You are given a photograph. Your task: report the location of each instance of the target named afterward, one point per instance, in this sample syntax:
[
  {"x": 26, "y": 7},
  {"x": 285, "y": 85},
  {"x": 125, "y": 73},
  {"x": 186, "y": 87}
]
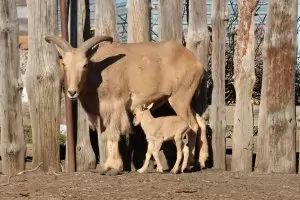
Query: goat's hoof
[
  {"x": 186, "y": 170},
  {"x": 174, "y": 171},
  {"x": 140, "y": 171},
  {"x": 113, "y": 172},
  {"x": 100, "y": 171}
]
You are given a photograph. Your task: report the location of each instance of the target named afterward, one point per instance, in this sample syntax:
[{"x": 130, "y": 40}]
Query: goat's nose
[{"x": 71, "y": 93}]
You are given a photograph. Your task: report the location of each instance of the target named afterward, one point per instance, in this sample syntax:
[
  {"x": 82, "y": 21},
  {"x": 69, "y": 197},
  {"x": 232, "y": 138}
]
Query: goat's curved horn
[
  {"x": 85, "y": 46},
  {"x": 60, "y": 42}
]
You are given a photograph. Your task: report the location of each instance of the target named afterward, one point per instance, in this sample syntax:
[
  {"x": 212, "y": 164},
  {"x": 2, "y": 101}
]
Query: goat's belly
[{"x": 146, "y": 99}]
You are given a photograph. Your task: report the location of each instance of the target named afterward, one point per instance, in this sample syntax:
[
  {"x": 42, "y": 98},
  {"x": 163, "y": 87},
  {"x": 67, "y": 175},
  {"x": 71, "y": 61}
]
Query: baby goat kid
[{"x": 162, "y": 129}]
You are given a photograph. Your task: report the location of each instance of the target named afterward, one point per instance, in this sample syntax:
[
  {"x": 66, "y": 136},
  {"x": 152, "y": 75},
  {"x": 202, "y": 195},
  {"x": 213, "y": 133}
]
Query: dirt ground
[{"x": 205, "y": 184}]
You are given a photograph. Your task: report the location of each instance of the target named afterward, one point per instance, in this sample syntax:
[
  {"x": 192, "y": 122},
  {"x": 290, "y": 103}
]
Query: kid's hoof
[
  {"x": 174, "y": 171},
  {"x": 113, "y": 172},
  {"x": 140, "y": 171}
]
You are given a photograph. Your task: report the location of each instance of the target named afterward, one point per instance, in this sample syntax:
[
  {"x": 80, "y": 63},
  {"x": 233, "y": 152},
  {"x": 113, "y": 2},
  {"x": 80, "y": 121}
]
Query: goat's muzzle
[{"x": 72, "y": 94}]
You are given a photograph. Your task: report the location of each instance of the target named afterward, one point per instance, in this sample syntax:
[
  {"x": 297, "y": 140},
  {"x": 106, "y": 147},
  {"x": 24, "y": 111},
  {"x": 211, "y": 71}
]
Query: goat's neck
[
  {"x": 147, "y": 119},
  {"x": 88, "y": 95}
]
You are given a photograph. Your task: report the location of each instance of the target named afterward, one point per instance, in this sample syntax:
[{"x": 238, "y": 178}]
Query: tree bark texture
[
  {"x": 43, "y": 84},
  {"x": 198, "y": 41},
  {"x": 218, "y": 109},
  {"x": 106, "y": 24},
  {"x": 12, "y": 139},
  {"x": 106, "y": 18},
  {"x": 277, "y": 126},
  {"x": 85, "y": 156},
  {"x": 170, "y": 28},
  {"x": 138, "y": 16},
  {"x": 170, "y": 20},
  {"x": 244, "y": 79}
]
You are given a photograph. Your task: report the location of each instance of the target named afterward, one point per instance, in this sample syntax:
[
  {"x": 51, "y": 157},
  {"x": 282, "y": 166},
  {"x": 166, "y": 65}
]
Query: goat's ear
[
  {"x": 150, "y": 106},
  {"x": 144, "y": 107}
]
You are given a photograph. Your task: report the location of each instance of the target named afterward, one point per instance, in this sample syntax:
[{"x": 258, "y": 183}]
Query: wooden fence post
[
  {"x": 138, "y": 15},
  {"x": 12, "y": 139},
  {"x": 85, "y": 156},
  {"x": 170, "y": 20},
  {"x": 277, "y": 125},
  {"x": 218, "y": 109},
  {"x": 105, "y": 24},
  {"x": 244, "y": 79},
  {"x": 170, "y": 28},
  {"x": 197, "y": 41},
  {"x": 139, "y": 18},
  {"x": 43, "y": 84}
]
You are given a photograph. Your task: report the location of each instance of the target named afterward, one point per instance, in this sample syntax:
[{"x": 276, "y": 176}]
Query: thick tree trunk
[
  {"x": 106, "y": 18},
  {"x": 85, "y": 156},
  {"x": 12, "y": 136},
  {"x": 277, "y": 126},
  {"x": 198, "y": 41},
  {"x": 138, "y": 15},
  {"x": 218, "y": 119},
  {"x": 170, "y": 21},
  {"x": 43, "y": 84},
  {"x": 106, "y": 24},
  {"x": 244, "y": 79}
]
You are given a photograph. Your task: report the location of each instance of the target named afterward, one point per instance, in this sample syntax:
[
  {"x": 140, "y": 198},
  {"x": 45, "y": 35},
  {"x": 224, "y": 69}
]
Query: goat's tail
[{"x": 203, "y": 154}]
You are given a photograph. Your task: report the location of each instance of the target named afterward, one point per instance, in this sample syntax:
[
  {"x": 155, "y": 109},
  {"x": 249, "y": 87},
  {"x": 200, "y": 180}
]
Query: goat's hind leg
[
  {"x": 186, "y": 151},
  {"x": 203, "y": 141},
  {"x": 183, "y": 110},
  {"x": 178, "y": 143}
]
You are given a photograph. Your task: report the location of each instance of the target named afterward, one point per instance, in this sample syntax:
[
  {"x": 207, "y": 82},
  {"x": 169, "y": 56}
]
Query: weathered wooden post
[
  {"x": 197, "y": 41},
  {"x": 244, "y": 79},
  {"x": 12, "y": 139},
  {"x": 218, "y": 107},
  {"x": 170, "y": 28},
  {"x": 170, "y": 20},
  {"x": 43, "y": 84},
  {"x": 277, "y": 127},
  {"x": 105, "y": 24},
  {"x": 138, "y": 16},
  {"x": 85, "y": 156}
]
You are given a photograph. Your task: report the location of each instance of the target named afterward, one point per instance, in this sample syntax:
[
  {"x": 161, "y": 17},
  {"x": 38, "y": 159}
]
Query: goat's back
[{"x": 148, "y": 71}]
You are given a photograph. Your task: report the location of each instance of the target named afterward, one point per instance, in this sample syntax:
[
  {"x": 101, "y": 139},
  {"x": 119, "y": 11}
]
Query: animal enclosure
[{"x": 235, "y": 100}]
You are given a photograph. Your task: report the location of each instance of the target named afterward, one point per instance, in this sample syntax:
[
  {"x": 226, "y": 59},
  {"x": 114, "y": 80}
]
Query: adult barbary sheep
[
  {"x": 117, "y": 78},
  {"x": 162, "y": 129}
]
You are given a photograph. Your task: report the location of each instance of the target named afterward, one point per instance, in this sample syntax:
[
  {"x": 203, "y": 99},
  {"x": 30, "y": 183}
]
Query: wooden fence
[{"x": 229, "y": 122}]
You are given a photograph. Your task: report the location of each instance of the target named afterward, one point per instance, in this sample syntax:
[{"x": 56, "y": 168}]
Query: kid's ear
[{"x": 150, "y": 106}]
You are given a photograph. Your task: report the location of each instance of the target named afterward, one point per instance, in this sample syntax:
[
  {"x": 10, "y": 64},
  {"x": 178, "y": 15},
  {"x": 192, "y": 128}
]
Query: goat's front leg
[
  {"x": 113, "y": 164},
  {"x": 148, "y": 156},
  {"x": 156, "y": 147}
]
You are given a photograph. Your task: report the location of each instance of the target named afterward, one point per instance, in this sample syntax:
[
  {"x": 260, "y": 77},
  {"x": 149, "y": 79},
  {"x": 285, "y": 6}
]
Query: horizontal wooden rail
[{"x": 229, "y": 121}]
